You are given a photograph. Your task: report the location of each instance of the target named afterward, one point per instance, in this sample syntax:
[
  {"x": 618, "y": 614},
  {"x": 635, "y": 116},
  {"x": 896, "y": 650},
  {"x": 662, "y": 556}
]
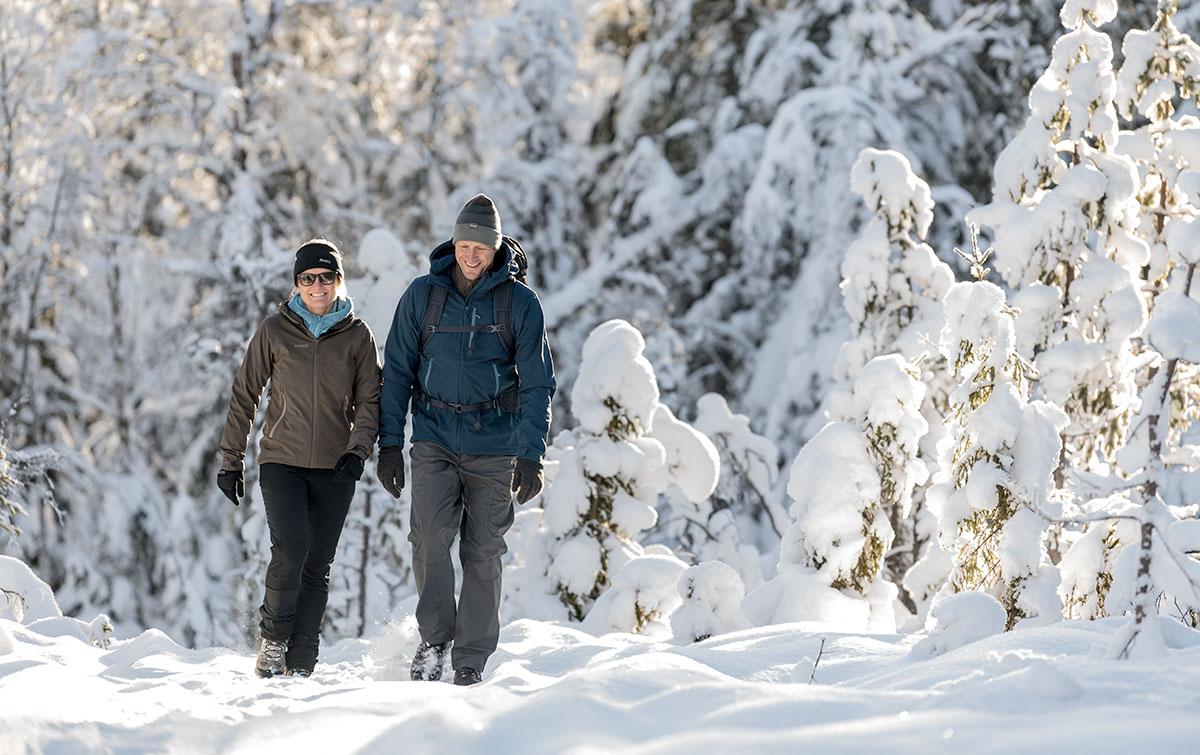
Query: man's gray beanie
[{"x": 478, "y": 221}]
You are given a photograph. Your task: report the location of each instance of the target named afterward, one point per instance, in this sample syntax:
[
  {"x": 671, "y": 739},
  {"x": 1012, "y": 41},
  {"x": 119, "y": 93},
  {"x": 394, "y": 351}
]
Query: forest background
[{"x": 684, "y": 165}]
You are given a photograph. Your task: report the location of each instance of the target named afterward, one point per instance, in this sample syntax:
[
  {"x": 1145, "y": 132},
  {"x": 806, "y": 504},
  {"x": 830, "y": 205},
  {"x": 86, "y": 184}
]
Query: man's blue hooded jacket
[{"x": 468, "y": 368}]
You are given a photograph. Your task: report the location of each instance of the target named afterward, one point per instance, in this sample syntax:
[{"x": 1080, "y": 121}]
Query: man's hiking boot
[
  {"x": 302, "y": 672},
  {"x": 466, "y": 676},
  {"x": 427, "y": 661},
  {"x": 270, "y": 659}
]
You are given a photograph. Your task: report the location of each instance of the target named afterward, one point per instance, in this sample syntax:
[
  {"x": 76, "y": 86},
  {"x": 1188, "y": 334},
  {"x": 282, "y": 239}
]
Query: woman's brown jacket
[{"x": 324, "y": 395}]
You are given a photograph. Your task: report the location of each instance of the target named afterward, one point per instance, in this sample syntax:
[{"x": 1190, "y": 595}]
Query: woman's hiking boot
[{"x": 270, "y": 659}]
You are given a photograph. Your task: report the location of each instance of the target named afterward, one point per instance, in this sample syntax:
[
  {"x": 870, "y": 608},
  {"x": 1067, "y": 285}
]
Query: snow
[
  {"x": 956, "y": 620},
  {"x": 712, "y": 594},
  {"x": 693, "y": 462},
  {"x": 613, "y": 367},
  {"x": 1098, "y": 12},
  {"x": 1174, "y": 329},
  {"x": 711, "y": 176},
  {"x": 27, "y": 598},
  {"x": 553, "y": 688}
]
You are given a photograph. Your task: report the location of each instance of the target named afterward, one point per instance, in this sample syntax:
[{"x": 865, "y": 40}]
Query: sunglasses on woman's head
[{"x": 307, "y": 279}]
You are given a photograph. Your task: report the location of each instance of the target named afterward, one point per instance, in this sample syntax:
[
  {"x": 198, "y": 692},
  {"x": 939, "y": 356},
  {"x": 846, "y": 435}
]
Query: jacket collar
[{"x": 338, "y": 318}]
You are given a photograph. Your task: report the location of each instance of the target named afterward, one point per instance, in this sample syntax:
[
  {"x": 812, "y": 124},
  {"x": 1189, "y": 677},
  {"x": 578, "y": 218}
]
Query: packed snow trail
[{"x": 553, "y": 689}]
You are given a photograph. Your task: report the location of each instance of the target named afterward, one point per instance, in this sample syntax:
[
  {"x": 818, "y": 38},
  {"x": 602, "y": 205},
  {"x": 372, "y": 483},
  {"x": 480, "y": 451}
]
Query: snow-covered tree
[
  {"x": 643, "y": 592},
  {"x": 692, "y": 519},
  {"x": 1172, "y": 334},
  {"x": 1089, "y": 564},
  {"x": 1066, "y": 217},
  {"x": 892, "y": 288},
  {"x": 10, "y": 509},
  {"x": 712, "y": 595},
  {"x": 848, "y": 481},
  {"x": 607, "y": 475},
  {"x": 892, "y": 282},
  {"x": 995, "y": 476},
  {"x": 741, "y": 519}
]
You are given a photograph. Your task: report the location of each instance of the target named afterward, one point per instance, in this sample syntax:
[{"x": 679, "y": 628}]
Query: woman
[{"x": 322, "y": 419}]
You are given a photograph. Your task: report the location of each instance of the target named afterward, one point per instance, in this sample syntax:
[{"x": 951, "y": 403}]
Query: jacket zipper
[
  {"x": 471, "y": 337},
  {"x": 312, "y": 452},
  {"x": 458, "y": 419}
]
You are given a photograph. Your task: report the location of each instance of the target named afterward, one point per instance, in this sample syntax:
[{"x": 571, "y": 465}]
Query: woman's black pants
[{"x": 306, "y": 509}]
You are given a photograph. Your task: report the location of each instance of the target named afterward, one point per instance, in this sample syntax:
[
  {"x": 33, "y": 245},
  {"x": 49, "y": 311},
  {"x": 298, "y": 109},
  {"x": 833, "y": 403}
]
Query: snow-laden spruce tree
[
  {"x": 994, "y": 481},
  {"x": 738, "y": 520},
  {"x": 712, "y": 594},
  {"x": 10, "y": 509},
  {"x": 1089, "y": 564},
  {"x": 602, "y": 488},
  {"x": 1173, "y": 334},
  {"x": 892, "y": 287},
  {"x": 1065, "y": 215},
  {"x": 845, "y": 483},
  {"x": 892, "y": 281}
]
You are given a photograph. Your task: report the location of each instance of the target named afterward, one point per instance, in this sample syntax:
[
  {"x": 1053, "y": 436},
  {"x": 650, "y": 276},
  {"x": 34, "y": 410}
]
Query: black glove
[
  {"x": 527, "y": 479},
  {"x": 390, "y": 469},
  {"x": 349, "y": 468},
  {"x": 232, "y": 484}
]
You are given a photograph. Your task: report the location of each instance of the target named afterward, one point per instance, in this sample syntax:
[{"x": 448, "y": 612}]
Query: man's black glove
[
  {"x": 349, "y": 468},
  {"x": 527, "y": 479},
  {"x": 390, "y": 469},
  {"x": 232, "y": 484}
]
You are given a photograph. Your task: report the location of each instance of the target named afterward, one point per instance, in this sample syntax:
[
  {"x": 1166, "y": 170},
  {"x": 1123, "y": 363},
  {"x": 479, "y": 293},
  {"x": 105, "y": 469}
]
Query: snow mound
[{"x": 958, "y": 620}]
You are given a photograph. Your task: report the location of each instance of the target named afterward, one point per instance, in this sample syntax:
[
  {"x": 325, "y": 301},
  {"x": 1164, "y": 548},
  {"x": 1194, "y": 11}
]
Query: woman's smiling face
[{"x": 318, "y": 296}]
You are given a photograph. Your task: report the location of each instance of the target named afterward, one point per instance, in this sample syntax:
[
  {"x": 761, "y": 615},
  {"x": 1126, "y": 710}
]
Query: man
[{"x": 468, "y": 349}]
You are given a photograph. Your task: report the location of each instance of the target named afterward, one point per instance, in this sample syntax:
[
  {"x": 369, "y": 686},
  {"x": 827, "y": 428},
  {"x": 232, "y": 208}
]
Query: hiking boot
[
  {"x": 270, "y": 659},
  {"x": 427, "y": 661},
  {"x": 302, "y": 672},
  {"x": 466, "y": 676}
]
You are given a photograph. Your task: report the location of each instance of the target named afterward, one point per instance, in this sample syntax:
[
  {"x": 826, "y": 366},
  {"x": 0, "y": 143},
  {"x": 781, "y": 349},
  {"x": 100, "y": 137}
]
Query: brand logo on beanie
[{"x": 326, "y": 261}]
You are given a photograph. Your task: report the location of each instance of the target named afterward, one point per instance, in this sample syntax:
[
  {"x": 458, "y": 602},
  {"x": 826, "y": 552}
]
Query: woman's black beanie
[{"x": 318, "y": 253}]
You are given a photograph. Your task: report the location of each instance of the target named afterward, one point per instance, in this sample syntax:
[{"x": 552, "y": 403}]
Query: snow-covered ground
[{"x": 552, "y": 688}]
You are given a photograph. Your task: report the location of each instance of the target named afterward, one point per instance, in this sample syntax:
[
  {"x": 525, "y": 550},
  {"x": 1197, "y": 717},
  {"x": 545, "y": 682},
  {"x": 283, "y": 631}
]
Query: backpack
[{"x": 501, "y": 302}]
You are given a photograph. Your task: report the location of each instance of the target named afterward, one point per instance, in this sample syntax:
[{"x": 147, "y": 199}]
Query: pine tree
[
  {"x": 1065, "y": 215},
  {"x": 741, "y": 519},
  {"x": 994, "y": 476},
  {"x": 848, "y": 480},
  {"x": 606, "y": 477},
  {"x": 10, "y": 509},
  {"x": 892, "y": 288}
]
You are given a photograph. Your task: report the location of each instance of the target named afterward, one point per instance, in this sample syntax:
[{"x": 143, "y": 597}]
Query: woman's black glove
[
  {"x": 349, "y": 468},
  {"x": 232, "y": 484},
  {"x": 390, "y": 469},
  {"x": 527, "y": 479}
]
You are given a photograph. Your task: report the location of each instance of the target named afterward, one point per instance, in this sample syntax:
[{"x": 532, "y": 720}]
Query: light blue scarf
[{"x": 318, "y": 324}]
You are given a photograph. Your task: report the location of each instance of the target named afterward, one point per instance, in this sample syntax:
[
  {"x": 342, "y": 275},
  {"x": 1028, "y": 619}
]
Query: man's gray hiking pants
[{"x": 470, "y": 495}]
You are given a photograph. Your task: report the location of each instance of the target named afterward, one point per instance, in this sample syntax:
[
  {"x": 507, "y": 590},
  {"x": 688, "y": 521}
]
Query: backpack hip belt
[{"x": 508, "y": 401}]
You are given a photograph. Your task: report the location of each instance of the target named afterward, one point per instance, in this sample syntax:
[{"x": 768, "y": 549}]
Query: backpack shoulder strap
[
  {"x": 433, "y": 315},
  {"x": 502, "y": 313}
]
